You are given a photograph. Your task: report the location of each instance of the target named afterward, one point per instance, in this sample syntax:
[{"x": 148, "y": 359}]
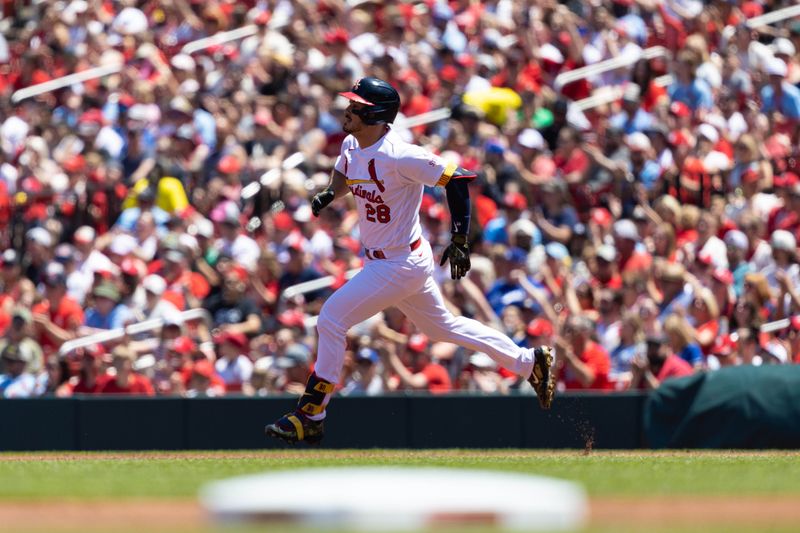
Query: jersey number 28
[{"x": 380, "y": 214}]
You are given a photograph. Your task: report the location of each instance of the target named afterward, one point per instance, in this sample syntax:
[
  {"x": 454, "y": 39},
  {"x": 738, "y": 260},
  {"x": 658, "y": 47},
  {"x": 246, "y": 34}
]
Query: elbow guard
[{"x": 455, "y": 172}]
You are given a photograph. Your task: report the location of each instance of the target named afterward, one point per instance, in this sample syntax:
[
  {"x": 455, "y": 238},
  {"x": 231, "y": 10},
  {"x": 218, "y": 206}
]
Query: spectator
[
  {"x": 535, "y": 164},
  {"x": 173, "y": 363},
  {"x": 295, "y": 365},
  {"x": 366, "y": 380},
  {"x": 540, "y": 332},
  {"x": 794, "y": 338},
  {"x": 759, "y": 296},
  {"x": 630, "y": 257},
  {"x": 514, "y": 324},
  {"x": 748, "y": 166},
  {"x": 16, "y": 289},
  {"x": 124, "y": 380},
  {"x": 264, "y": 290},
  {"x": 155, "y": 306},
  {"x": 19, "y": 333},
  {"x": 584, "y": 364},
  {"x": 419, "y": 371},
  {"x": 604, "y": 268},
  {"x": 780, "y": 95},
  {"x": 630, "y": 346},
  {"x": 737, "y": 246},
  {"x": 707, "y": 244},
  {"x": 233, "y": 363},
  {"x": 609, "y": 321},
  {"x": 784, "y": 259},
  {"x": 633, "y": 117},
  {"x": 705, "y": 316},
  {"x": 297, "y": 269},
  {"x": 722, "y": 353},
  {"x": 659, "y": 365},
  {"x": 555, "y": 218},
  {"x": 92, "y": 371},
  {"x": 57, "y": 317},
  {"x": 664, "y": 243},
  {"x": 682, "y": 340},
  {"x": 670, "y": 280},
  {"x": 481, "y": 375},
  {"x": 687, "y": 88},
  {"x": 643, "y": 168},
  {"x": 39, "y": 244},
  {"x": 233, "y": 242},
  {"x": 107, "y": 312},
  {"x": 144, "y": 205},
  {"x": 53, "y": 381},
  {"x": 230, "y": 309},
  {"x": 202, "y": 380},
  {"x": 185, "y": 288},
  {"x": 16, "y": 381},
  {"x": 263, "y": 381}
]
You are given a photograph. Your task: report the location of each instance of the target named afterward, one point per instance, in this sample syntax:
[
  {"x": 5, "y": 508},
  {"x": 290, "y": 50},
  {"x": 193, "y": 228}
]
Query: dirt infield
[
  {"x": 99, "y": 515},
  {"x": 606, "y": 512},
  {"x": 695, "y": 511}
]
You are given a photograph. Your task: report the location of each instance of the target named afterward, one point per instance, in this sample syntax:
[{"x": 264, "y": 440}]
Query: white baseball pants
[{"x": 404, "y": 279}]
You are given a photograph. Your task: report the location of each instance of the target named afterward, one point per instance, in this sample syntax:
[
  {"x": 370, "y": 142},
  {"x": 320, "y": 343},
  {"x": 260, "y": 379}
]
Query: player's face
[{"x": 352, "y": 122}]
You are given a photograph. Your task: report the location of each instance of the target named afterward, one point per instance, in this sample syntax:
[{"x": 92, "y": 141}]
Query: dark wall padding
[
  {"x": 734, "y": 407},
  {"x": 399, "y": 421}
]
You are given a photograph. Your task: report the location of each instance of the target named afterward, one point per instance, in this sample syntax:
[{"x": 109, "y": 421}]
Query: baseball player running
[{"x": 387, "y": 175}]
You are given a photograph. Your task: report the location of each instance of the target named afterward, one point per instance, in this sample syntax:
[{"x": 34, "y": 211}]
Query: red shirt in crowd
[
  {"x": 674, "y": 367},
  {"x": 614, "y": 282},
  {"x": 637, "y": 262},
  {"x": 216, "y": 381},
  {"x": 68, "y": 315},
  {"x": 597, "y": 359},
  {"x": 193, "y": 282},
  {"x": 137, "y": 384},
  {"x": 654, "y": 94},
  {"x": 438, "y": 378},
  {"x": 712, "y": 326},
  {"x": 82, "y": 387},
  {"x": 576, "y": 161}
]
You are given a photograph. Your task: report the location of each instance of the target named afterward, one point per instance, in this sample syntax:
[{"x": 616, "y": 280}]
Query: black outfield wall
[{"x": 453, "y": 421}]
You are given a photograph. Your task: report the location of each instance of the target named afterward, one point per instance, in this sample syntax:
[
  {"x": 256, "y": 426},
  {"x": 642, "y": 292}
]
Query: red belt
[{"x": 378, "y": 254}]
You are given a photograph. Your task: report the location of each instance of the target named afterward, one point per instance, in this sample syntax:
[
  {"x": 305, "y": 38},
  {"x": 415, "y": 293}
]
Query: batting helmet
[{"x": 380, "y": 99}]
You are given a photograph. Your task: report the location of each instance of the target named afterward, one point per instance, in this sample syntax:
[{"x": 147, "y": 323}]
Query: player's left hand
[
  {"x": 458, "y": 253},
  {"x": 321, "y": 199}
]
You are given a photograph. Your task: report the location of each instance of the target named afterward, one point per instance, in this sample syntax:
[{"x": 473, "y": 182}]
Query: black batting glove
[
  {"x": 458, "y": 253},
  {"x": 320, "y": 200}
]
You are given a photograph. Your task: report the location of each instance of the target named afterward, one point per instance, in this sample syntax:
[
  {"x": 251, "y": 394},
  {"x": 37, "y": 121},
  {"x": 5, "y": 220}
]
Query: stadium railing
[
  {"x": 220, "y": 38},
  {"x": 608, "y": 65},
  {"x": 774, "y": 16},
  {"x": 132, "y": 329},
  {"x": 65, "y": 81}
]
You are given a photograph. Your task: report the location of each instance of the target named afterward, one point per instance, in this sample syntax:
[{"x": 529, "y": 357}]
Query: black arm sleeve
[{"x": 459, "y": 204}]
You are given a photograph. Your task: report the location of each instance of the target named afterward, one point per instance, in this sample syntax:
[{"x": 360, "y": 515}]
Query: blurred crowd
[{"x": 646, "y": 236}]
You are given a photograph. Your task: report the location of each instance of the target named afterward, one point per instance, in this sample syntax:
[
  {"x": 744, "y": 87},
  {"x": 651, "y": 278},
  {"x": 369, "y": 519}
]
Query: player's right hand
[
  {"x": 458, "y": 254},
  {"x": 321, "y": 199}
]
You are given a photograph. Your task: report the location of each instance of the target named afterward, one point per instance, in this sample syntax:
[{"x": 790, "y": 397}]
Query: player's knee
[{"x": 329, "y": 324}]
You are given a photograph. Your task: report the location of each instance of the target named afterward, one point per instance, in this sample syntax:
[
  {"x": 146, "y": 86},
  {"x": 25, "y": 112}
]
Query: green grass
[{"x": 179, "y": 476}]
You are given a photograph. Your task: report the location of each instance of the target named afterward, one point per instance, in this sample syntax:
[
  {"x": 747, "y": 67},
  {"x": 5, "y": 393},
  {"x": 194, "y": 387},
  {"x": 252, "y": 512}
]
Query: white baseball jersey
[{"x": 387, "y": 180}]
